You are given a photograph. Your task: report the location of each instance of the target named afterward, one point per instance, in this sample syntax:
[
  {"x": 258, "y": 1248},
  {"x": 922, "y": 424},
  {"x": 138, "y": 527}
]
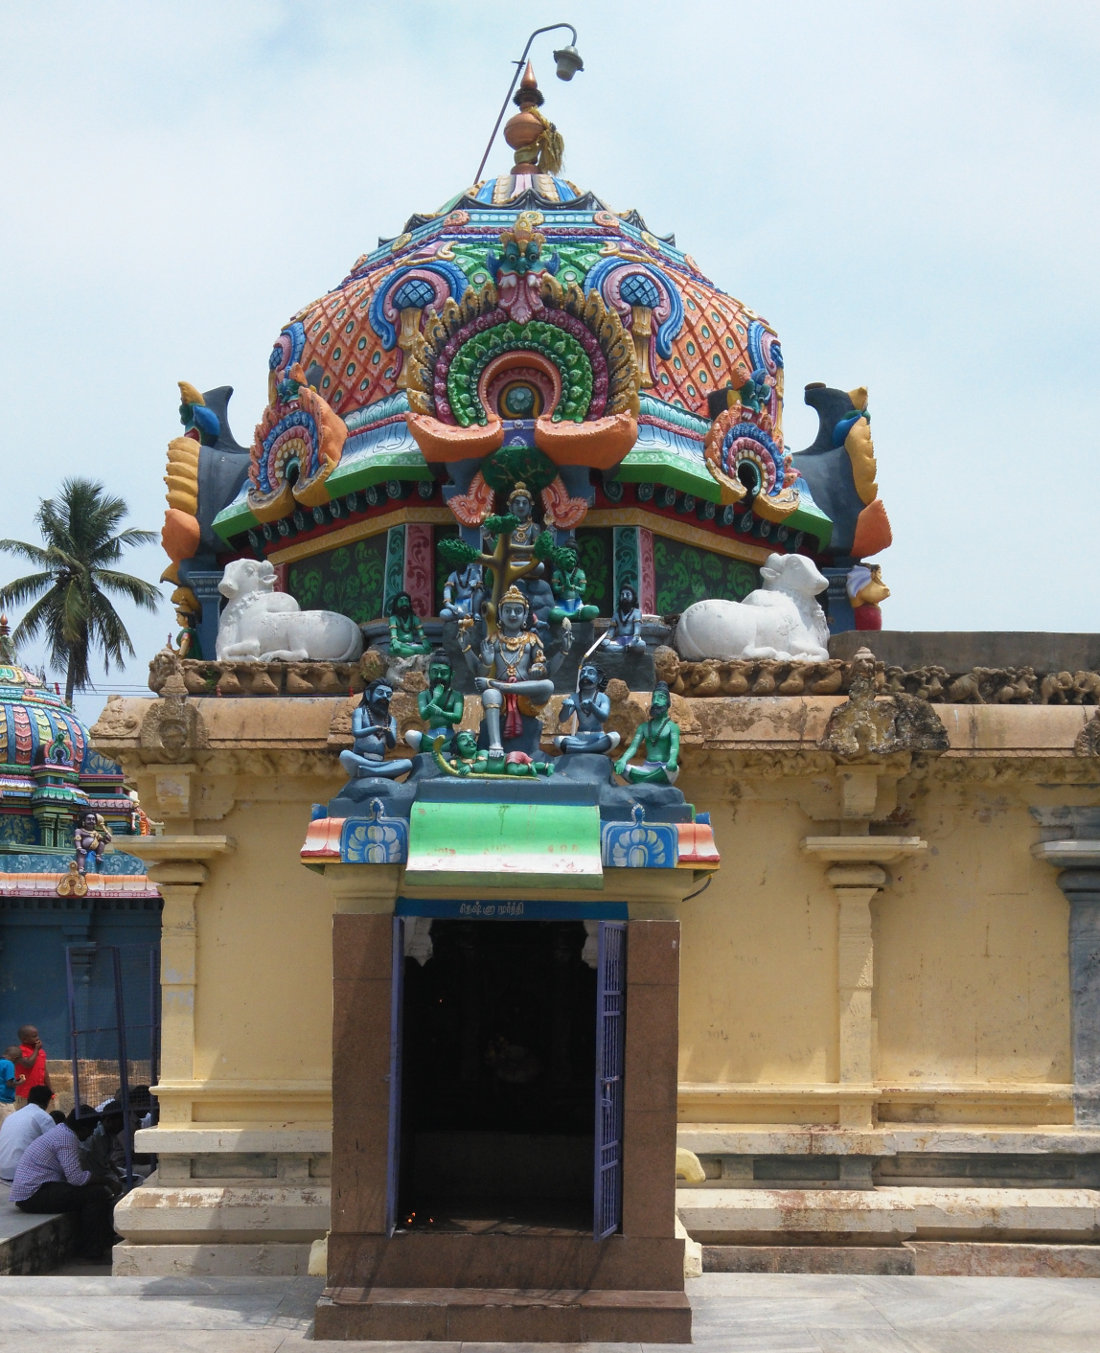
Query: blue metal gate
[
  {"x": 610, "y": 1031},
  {"x": 114, "y": 1026}
]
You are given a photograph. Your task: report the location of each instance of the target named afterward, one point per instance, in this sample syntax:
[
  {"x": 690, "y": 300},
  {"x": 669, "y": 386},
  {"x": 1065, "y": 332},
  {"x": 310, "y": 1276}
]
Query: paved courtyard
[{"x": 734, "y": 1313}]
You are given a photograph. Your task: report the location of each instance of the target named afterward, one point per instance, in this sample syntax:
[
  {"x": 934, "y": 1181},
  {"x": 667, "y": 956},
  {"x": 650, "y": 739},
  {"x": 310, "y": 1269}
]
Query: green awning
[{"x": 525, "y": 845}]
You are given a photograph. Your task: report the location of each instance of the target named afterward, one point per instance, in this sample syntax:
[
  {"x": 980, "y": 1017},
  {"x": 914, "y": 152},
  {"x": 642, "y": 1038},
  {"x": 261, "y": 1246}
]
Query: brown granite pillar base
[
  {"x": 525, "y": 1287},
  {"x": 505, "y": 1315}
]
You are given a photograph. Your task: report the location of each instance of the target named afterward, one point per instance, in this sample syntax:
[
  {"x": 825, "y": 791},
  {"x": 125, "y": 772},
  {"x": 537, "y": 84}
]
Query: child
[
  {"x": 31, "y": 1064},
  {"x": 9, "y": 1079}
]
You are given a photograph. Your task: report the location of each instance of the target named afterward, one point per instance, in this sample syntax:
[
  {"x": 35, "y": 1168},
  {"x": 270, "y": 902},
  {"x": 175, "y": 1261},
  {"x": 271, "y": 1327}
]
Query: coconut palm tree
[{"x": 71, "y": 606}]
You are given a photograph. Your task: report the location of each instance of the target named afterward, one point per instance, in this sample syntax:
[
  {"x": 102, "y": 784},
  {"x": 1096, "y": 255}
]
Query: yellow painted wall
[
  {"x": 264, "y": 1005},
  {"x": 758, "y": 965},
  {"x": 970, "y": 1006},
  {"x": 971, "y": 974}
]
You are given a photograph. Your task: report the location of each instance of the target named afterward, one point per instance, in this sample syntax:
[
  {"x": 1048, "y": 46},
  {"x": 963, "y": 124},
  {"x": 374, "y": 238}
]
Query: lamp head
[{"x": 569, "y": 62}]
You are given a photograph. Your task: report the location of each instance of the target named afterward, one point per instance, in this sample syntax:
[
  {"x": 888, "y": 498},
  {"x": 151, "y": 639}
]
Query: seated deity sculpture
[
  {"x": 625, "y": 630},
  {"x": 590, "y": 707},
  {"x": 406, "y": 632},
  {"x": 510, "y": 669},
  {"x": 463, "y": 592},
  {"x": 661, "y": 739},
  {"x": 91, "y": 837},
  {"x": 521, "y": 542},
  {"x": 569, "y": 583},
  {"x": 373, "y": 732},
  {"x": 439, "y": 705}
]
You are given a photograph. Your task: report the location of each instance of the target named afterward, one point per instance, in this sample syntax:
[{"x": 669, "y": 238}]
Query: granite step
[
  {"x": 942, "y": 1258},
  {"x": 852, "y": 1259},
  {"x": 33, "y": 1243},
  {"x": 511, "y": 1315}
]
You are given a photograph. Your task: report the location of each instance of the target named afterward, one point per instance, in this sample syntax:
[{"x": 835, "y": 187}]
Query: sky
[{"x": 908, "y": 192}]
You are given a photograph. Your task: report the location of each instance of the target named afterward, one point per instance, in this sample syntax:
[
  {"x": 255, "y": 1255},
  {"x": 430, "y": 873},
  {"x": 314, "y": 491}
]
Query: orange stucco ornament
[
  {"x": 441, "y": 442},
  {"x": 600, "y": 444}
]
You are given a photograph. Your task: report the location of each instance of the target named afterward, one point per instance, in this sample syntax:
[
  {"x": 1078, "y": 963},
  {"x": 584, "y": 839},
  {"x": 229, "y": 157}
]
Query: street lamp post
[{"x": 568, "y": 63}]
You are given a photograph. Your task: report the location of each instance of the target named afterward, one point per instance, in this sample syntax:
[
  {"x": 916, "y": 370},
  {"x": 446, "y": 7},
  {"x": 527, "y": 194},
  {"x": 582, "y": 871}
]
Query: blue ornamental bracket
[
  {"x": 639, "y": 844},
  {"x": 374, "y": 839}
]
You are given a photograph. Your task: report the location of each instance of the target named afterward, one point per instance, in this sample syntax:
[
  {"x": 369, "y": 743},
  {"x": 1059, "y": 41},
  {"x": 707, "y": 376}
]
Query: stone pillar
[
  {"x": 175, "y": 865},
  {"x": 855, "y": 875},
  {"x": 1071, "y": 842},
  {"x": 1082, "y": 890},
  {"x": 179, "y": 885},
  {"x": 854, "y": 886}
]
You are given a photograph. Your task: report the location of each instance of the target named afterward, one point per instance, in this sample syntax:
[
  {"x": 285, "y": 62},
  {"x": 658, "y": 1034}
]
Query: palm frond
[
  {"x": 22, "y": 590},
  {"x": 22, "y": 549},
  {"x": 140, "y": 592}
]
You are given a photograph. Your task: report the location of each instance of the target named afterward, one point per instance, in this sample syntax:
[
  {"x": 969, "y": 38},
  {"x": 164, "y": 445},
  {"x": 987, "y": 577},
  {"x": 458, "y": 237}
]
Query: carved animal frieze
[{"x": 255, "y": 678}]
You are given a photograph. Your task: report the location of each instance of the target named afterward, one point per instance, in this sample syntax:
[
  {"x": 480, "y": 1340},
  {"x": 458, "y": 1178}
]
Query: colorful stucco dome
[
  {"x": 351, "y": 372},
  {"x": 523, "y": 333},
  {"x": 36, "y": 725},
  {"x": 691, "y": 338},
  {"x": 49, "y": 774}
]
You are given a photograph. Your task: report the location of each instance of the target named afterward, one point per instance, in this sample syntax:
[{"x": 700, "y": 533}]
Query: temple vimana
[{"x": 566, "y": 877}]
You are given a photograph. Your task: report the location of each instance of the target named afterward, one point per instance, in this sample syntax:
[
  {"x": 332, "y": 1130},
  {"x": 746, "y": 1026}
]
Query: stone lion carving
[
  {"x": 262, "y": 625},
  {"x": 780, "y": 620}
]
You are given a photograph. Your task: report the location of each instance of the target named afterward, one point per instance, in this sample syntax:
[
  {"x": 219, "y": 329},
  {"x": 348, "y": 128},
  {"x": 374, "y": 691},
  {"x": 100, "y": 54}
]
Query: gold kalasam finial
[
  {"x": 536, "y": 141},
  {"x": 528, "y": 91}
]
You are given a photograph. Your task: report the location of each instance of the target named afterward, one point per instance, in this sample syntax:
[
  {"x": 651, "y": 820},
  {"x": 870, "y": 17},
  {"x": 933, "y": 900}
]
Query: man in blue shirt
[{"x": 51, "y": 1178}]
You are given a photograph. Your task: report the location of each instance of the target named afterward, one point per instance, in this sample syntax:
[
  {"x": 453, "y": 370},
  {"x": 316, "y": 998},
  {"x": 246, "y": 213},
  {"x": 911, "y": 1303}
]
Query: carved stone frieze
[
  {"x": 255, "y": 678},
  {"x": 746, "y": 676},
  {"x": 172, "y": 730},
  {"x": 701, "y": 680},
  {"x": 997, "y": 770},
  {"x": 1087, "y": 742},
  {"x": 870, "y": 726},
  {"x": 932, "y": 683},
  {"x": 116, "y": 726}
]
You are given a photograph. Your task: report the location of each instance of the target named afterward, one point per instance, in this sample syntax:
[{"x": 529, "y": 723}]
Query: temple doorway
[{"x": 498, "y": 1100}]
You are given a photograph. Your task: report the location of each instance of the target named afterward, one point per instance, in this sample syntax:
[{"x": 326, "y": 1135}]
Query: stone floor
[{"x": 734, "y": 1312}]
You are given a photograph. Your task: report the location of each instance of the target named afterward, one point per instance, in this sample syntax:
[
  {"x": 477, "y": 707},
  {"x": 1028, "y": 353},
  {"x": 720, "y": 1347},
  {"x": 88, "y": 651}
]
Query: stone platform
[
  {"x": 734, "y": 1313},
  {"x": 32, "y": 1243}
]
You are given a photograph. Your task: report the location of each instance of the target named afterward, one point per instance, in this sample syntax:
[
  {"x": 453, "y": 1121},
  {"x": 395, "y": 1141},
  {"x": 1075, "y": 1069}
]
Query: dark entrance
[{"x": 498, "y": 1072}]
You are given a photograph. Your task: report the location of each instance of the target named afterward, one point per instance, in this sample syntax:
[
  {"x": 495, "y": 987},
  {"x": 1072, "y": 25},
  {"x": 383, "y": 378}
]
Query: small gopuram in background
[
  {"x": 66, "y": 879},
  {"x": 450, "y": 969}
]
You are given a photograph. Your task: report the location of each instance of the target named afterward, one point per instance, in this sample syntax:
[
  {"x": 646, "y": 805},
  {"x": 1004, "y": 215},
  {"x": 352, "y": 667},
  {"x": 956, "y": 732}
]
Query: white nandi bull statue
[
  {"x": 262, "y": 625},
  {"x": 779, "y": 620}
]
